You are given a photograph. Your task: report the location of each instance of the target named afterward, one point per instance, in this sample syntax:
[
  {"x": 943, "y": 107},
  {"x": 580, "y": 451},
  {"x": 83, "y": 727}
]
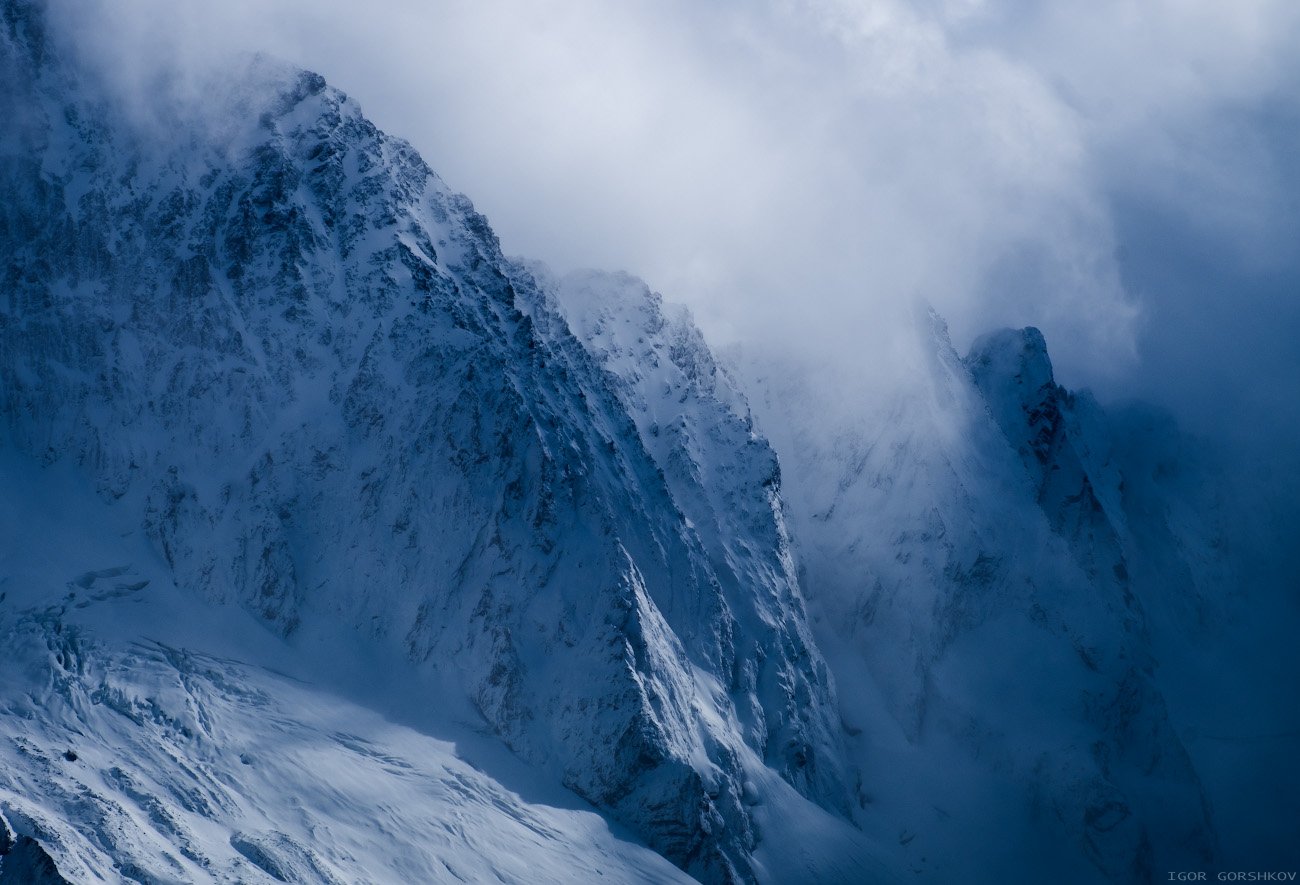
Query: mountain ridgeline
[
  {"x": 307, "y": 364},
  {"x": 294, "y": 368}
]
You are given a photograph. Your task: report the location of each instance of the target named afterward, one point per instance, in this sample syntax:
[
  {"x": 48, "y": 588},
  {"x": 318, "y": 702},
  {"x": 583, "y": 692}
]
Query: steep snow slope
[
  {"x": 133, "y": 745},
  {"x": 274, "y": 339},
  {"x": 726, "y": 482},
  {"x": 696, "y": 424},
  {"x": 966, "y": 551}
]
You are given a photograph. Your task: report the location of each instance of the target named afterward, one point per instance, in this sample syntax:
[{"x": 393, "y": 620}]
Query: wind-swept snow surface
[{"x": 134, "y": 745}]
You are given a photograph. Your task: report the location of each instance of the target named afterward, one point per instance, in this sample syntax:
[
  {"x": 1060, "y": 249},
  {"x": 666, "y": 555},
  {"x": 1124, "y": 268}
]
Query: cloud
[{"x": 800, "y": 170}]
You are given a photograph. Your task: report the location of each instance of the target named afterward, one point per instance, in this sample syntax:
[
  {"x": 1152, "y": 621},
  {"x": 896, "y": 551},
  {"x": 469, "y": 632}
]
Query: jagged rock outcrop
[
  {"x": 1063, "y": 442},
  {"x": 23, "y": 860}
]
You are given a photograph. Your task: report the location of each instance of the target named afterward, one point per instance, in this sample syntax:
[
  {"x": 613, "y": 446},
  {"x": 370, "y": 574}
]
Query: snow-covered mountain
[
  {"x": 336, "y": 546},
  {"x": 295, "y": 362}
]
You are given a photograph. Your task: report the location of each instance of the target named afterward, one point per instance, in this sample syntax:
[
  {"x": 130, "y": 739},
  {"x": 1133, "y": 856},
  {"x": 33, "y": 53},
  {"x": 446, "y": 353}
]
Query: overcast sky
[{"x": 1125, "y": 175}]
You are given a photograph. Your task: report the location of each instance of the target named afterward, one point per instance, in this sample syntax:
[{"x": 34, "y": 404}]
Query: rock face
[
  {"x": 1129, "y": 493},
  {"x": 303, "y": 360},
  {"x": 724, "y": 478},
  {"x": 967, "y": 549},
  {"x": 26, "y": 862},
  {"x": 23, "y": 861},
  {"x": 1063, "y": 443}
]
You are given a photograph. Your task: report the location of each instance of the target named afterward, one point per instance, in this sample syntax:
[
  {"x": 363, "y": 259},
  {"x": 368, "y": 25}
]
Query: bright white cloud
[{"x": 799, "y": 169}]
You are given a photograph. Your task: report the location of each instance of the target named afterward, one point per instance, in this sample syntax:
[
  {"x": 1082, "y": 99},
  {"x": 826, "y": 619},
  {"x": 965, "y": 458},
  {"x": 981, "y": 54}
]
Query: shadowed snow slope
[
  {"x": 132, "y": 745},
  {"x": 1020, "y": 596}
]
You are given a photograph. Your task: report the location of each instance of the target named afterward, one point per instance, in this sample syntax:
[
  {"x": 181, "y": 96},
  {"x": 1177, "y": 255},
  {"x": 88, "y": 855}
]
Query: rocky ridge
[{"x": 279, "y": 338}]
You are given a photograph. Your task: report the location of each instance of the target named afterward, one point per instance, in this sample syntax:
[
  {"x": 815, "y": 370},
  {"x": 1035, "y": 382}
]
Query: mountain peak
[
  {"x": 1013, "y": 371},
  {"x": 299, "y": 364},
  {"x": 1013, "y": 356}
]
